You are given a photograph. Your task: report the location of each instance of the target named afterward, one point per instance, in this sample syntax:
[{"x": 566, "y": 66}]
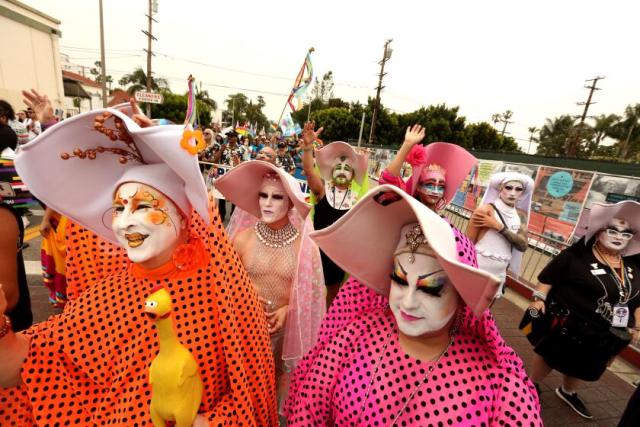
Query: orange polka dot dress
[
  {"x": 89, "y": 365},
  {"x": 86, "y": 248}
]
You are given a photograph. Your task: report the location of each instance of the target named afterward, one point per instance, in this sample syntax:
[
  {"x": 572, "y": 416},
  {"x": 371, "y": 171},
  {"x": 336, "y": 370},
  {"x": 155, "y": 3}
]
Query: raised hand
[
  {"x": 40, "y": 105},
  {"x": 309, "y": 134},
  {"x": 138, "y": 116},
  {"x": 414, "y": 135}
]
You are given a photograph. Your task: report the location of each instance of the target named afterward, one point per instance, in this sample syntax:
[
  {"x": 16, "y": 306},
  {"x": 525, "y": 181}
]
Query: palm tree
[
  {"x": 554, "y": 135},
  {"x": 203, "y": 96},
  {"x": 138, "y": 81},
  {"x": 532, "y": 131},
  {"x": 602, "y": 128},
  {"x": 627, "y": 130}
]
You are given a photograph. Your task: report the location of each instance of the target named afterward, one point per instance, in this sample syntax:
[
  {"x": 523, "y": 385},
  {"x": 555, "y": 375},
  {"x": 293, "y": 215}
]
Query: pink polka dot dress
[{"x": 479, "y": 381}]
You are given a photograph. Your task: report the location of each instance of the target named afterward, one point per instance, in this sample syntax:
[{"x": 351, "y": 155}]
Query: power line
[{"x": 220, "y": 67}]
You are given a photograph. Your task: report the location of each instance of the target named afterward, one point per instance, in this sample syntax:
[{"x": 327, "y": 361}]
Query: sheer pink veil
[{"x": 307, "y": 297}]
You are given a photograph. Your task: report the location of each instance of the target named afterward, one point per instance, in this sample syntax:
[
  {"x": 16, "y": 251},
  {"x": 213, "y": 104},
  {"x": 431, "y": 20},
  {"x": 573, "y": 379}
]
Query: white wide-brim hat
[
  {"x": 326, "y": 156},
  {"x": 602, "y": 213},
  {"x": 241, "y": 186},
  {"x": 75, "y": 169},
  {"x": 364, "y": 240}
]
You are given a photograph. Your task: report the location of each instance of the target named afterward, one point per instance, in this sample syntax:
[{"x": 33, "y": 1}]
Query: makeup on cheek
[{"x": 157, "y": 217}]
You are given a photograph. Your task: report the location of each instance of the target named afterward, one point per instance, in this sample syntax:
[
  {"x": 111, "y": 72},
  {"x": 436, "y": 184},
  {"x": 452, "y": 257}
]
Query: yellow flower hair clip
[{"x": 192, "y": 141}]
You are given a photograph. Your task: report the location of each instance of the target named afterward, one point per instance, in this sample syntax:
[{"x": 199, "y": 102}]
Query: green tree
[
  {"x": 254, "y": 114},
  {"x": 532, "y": 131},
  {"x": 323, "y": 90},
  {"x": 602, "y": 127},
  {"x": 627, "y": 132},
  {"x": 441, "y": 124},
  {"x": 174, "y": 108},
  {"x": 555, "y": 135},
  {"x": 203, "y": 95},
  {"x": 137, "y": 80},
  {"x": 236, "y": 106},
  {"x": 483, "y": 136},
  {"x": 339, "y": 124},
  {"x": 97, "y": 74}
]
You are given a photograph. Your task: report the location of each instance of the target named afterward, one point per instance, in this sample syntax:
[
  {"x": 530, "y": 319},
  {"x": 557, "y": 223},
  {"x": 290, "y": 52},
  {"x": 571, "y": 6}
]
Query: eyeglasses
[
  {"x": 624, "y": 235},
  {"x": 511, "y": 188}
]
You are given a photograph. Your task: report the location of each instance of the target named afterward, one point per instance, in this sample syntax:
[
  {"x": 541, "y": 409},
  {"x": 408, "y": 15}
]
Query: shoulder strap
[{"x": 499, "y": 215}]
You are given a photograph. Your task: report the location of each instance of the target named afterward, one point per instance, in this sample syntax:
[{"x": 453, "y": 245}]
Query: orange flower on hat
[{"x": 188, "y": 145}]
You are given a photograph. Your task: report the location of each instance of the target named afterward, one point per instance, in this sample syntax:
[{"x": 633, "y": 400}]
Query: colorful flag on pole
[
  {"x": 302, "y": 82},
  {"x": 288, "y": 126},
  {"x": 191, "y": 115}
]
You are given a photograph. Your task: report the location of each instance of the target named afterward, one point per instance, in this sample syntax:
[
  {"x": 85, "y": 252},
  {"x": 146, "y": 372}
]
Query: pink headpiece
[
  {"x": 433, "y": 171},
  {"x": 439, "y": 158}
]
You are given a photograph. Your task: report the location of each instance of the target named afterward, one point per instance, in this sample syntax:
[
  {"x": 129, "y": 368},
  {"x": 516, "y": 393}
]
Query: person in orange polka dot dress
[{"x": 89, "y": 365}]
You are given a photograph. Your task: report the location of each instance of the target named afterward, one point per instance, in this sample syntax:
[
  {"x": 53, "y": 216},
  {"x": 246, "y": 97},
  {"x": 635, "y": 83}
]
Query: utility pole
[
  {"x": 361, "y": 129},
  {"x": 572, "y": 149},
  {"x": 102, "y": 61},
  {"x": 153, "y": 7},
  {"x": 385, "y": 57}
]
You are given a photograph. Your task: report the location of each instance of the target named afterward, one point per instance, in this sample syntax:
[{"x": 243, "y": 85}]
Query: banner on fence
[{"x": 558, "y": 199}]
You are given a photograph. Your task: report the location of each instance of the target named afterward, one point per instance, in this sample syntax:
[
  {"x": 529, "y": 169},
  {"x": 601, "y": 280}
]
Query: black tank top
[
  {"x": 325, "y": 215},
  {"x": 21, "y": 316}
]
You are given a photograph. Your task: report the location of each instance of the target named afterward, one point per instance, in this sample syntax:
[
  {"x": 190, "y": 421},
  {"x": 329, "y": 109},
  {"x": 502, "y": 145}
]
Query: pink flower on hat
[{"x": 417, "y": 156}]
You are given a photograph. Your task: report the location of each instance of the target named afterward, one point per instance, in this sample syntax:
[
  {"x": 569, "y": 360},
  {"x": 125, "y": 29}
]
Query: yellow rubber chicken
[{"x": 175, "y": 381}]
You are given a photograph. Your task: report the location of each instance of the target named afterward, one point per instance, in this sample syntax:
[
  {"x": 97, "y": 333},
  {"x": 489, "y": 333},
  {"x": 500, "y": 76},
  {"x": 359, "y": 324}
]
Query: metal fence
[{"x": 541, "y": 249}]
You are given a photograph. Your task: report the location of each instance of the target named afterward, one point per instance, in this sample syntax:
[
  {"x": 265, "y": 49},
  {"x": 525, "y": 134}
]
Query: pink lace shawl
[{"x": 307, "y": 301}]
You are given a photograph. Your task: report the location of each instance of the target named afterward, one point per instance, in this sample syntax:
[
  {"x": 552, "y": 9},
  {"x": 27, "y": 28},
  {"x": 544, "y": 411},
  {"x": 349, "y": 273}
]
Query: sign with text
[
  {"x": 150, "y": 97},
  {"x": 558, "y": 199}
]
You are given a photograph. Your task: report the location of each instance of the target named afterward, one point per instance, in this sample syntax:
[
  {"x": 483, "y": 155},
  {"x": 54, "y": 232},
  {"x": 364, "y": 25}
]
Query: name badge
[
  {"x": 598, "y": 272},
  {"x": 620, "y": 317}
]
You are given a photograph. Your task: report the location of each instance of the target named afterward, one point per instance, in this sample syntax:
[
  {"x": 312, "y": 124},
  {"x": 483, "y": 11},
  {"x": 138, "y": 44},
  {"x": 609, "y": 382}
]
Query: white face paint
[
  {"x": 616, "y": 236},
  {"x": 421, "y": 298},
  {"x": 273, "y": 200},
  {"x": 146, "y": 223},
  {"x": 342, "y": 172},
  {"x": 511, "y": 192}
]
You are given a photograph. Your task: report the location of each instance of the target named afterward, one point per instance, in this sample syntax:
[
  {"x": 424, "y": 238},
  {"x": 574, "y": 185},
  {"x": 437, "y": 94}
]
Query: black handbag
[
  {"x": 534, "y": 327},
  {"x": 576, "y": 345}
]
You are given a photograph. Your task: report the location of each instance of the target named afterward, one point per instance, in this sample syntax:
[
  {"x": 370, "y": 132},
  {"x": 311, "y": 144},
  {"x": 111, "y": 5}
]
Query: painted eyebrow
[
  {"x": 430, "y": 274},
  {"x": 423, "y": 276}
]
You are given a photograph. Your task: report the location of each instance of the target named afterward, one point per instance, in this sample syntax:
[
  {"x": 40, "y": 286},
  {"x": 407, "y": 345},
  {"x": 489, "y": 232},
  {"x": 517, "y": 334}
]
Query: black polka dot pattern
[
  {"x": 480, "y": 381},
  {"x": 89, "y": 365}
]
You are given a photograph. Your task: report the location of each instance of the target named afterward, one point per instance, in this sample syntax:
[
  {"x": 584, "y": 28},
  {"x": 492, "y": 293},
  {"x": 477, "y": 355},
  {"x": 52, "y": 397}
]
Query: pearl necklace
[{"x": 276, "y": 238}]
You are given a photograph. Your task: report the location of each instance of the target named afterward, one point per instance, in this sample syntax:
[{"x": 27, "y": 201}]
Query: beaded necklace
[{"x": 276, "y": 238}]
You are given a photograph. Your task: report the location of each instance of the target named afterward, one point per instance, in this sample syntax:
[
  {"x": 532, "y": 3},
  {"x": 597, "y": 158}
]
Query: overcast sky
[{"x": 486, "y": 56}]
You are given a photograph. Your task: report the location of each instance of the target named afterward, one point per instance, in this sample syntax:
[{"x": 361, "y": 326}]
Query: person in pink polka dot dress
[{"x": 409, "y": 341}]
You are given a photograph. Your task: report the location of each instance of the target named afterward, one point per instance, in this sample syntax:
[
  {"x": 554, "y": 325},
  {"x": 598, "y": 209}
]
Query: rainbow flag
[{"x": 302, "y": 82}]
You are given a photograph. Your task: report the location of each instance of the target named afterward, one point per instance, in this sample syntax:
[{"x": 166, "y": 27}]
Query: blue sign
[{"x": 559, "y": 184}]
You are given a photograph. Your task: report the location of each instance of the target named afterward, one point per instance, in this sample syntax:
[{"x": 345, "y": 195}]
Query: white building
[
  {"x": 30, "y": 54},
  {"x": 80, "y": 93}
]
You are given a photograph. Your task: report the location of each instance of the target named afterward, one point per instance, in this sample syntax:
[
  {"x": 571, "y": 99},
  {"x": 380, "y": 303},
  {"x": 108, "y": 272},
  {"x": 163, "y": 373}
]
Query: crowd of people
[{"x": 344, "y": 306}]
